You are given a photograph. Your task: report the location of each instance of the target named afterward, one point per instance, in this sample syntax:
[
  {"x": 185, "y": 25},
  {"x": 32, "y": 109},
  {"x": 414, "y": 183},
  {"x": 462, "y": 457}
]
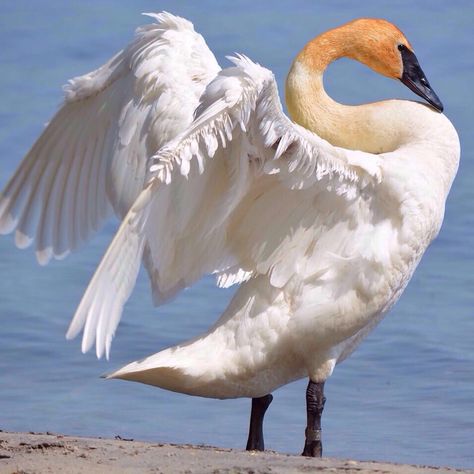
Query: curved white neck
[
  {"x": 374, "y": 127},
  {"x": 378, "y": 127}
]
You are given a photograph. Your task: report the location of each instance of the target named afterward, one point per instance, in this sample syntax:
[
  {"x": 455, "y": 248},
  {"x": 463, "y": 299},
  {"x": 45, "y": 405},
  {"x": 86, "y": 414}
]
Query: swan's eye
[{"x": 402, "y": 47}]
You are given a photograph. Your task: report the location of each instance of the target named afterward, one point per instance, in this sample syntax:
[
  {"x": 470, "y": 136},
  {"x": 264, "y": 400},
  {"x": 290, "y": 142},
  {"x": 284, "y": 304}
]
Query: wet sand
[{"x": 28, "y": 453}]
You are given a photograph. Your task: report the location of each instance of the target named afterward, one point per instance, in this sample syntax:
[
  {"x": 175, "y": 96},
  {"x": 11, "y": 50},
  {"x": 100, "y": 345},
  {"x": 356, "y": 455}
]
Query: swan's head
[
  {"x": 375, "y": 43},
  {"x": 384, "y": 48},
  {"x": 378, "y": 44}
]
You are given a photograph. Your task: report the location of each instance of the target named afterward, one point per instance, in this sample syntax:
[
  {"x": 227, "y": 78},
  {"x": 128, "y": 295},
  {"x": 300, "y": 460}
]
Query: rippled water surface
[{"x": 406, "y": 395}]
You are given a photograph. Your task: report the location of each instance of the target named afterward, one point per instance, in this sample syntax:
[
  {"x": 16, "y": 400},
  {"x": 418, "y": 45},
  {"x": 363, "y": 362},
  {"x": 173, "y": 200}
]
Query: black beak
[{"x": 414, "y": 78}]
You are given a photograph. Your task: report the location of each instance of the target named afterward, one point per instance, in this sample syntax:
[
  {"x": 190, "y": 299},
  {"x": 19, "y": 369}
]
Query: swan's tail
[
  {"x": 191, "y": 368},
  {"x": 245, "y": 353}
]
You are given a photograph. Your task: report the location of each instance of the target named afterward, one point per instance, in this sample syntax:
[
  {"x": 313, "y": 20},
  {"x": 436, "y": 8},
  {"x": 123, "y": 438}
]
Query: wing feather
[
  {"x": 112, "y": 282},
  {"x": 92, "y": 157}
]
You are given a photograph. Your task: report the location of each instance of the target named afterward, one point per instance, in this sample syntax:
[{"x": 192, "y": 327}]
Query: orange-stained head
[
  {"x": 375, "y": 42},
  {"x": 371, "y": 41}
]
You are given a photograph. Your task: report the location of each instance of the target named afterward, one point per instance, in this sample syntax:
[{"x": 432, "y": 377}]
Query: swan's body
[
  {"x": 326, "y": 293},
  {"x": 322, "y": 235}
]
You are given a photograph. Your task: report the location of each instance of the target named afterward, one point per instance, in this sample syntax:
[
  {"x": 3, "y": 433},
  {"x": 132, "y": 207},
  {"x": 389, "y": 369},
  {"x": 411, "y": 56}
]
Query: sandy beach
[{"x": 29, "y": 453}]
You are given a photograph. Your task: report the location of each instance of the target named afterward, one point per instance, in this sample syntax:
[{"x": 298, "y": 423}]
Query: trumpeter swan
[{"x": 322, "y": 220}]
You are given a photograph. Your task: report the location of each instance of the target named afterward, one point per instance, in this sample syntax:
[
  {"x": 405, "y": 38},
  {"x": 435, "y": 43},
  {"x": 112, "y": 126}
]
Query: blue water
[{"x": 406, "y": 395}]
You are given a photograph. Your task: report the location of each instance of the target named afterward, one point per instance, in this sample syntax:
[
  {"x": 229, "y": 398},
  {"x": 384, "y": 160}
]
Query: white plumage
[
  {"x": 217, "y": 180},
  {"x": 92, "y": 157},
  {"x": 325, "y": 238}
]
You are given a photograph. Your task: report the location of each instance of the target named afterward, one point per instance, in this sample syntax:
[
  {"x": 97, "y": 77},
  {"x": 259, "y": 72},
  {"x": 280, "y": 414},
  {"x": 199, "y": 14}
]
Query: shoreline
[{"x": 29, "y": 453}]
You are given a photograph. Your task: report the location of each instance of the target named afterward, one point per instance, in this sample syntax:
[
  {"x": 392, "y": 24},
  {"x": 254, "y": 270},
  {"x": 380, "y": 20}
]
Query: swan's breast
[{"x": 361, "y": 267}]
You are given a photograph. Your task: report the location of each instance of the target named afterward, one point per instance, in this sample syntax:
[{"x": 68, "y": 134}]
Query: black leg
[
  {"x": 315, "y": 400},
  {"x": 259, "y": 407}
]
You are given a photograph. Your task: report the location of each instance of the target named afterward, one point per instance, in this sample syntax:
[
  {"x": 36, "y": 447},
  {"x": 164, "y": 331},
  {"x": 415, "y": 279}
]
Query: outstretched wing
[
  {"x": 92, "y": 157},
  {"x": 230, "y": 196}
]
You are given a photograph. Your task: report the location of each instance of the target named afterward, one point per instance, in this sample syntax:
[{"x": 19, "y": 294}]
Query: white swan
[{"x": 322, "y": 223}]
